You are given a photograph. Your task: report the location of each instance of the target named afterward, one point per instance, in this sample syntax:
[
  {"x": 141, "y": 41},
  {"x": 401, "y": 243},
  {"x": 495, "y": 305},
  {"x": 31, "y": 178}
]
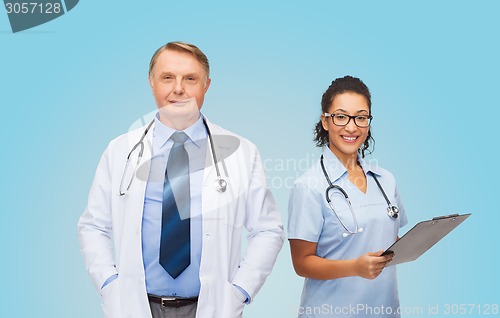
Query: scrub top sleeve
[
  {"x": 305, "y": 217},
  {"x": 402, "y": 214}
]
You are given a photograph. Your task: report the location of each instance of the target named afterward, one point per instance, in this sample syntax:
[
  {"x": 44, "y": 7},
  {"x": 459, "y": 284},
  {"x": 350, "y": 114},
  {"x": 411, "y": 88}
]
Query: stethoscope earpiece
[{"x": 358, "y": 231}]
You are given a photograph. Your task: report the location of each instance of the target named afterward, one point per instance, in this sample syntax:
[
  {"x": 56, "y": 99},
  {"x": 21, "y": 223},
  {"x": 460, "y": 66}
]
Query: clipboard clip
[{"x": 444, "y": 217}]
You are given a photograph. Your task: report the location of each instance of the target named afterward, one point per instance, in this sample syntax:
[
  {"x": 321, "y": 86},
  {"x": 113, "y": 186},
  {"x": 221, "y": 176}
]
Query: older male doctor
[{"x": 161, "y": 236}]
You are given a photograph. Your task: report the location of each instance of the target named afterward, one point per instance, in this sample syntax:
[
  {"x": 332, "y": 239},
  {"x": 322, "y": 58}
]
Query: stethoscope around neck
[
  {"x": 392, "y": 210},
  {"x": 219, "y": 183}
]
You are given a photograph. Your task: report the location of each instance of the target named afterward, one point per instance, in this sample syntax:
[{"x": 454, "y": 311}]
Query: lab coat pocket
[
  {"x": 234, "y": 216},
  {"x": 236, "y": 300},
  {"x": 110, "y": 299}
]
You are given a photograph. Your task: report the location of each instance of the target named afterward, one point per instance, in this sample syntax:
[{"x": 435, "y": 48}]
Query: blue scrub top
[{"x": 311, "y": 219}]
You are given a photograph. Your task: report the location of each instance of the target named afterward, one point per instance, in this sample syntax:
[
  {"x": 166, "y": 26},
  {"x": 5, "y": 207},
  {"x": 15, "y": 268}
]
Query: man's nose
[{"x": 178, "y": 87}]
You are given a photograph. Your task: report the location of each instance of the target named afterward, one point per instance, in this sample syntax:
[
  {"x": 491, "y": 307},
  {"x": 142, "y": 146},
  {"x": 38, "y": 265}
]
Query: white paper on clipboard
[{"x": 422, "y": 237}]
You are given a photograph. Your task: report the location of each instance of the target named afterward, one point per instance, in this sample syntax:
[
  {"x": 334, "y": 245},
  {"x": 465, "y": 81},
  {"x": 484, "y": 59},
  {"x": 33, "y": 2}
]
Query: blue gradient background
[{"x": 71, "y": 85}]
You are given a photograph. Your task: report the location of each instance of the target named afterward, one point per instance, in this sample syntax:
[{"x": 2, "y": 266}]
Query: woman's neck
[
  {"x": 349, "y": 161},
  {"x": 355, "y": 173}
]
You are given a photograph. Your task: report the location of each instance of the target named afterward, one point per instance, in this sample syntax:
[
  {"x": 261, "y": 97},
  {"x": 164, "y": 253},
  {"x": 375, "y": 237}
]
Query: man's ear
[
  {"x": 150, "y": 80},
  {"x": 207, "y": 84}
]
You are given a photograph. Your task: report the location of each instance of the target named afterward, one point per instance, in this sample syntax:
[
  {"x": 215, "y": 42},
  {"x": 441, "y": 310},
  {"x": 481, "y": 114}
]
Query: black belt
[{"x": 174, "y": 302}]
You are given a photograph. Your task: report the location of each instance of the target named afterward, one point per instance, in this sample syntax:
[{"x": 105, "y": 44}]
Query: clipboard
[{"x": 422, "y": 237}]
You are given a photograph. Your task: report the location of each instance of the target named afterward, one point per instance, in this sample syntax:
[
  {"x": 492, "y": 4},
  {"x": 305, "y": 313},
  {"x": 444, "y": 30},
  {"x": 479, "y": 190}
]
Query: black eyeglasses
[{"x": 362, "y": 121}]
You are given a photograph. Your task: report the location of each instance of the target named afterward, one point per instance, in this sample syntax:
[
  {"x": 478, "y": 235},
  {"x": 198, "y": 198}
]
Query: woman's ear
[{"x": 324, "y": 122}]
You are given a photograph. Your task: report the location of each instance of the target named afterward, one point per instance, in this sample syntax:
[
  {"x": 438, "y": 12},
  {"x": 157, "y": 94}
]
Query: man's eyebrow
[
  {"x": 183, "y": 75},
  {"x": 162, "y": 73}
]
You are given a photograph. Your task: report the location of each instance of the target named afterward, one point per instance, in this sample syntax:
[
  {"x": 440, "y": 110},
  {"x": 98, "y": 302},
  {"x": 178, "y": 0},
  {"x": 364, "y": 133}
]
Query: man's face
[{"x": 177, "y": 77}]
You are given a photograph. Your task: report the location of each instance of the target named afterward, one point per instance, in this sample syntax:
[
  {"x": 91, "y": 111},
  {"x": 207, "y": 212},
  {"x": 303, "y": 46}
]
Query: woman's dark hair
[{"x": 346, "y": 84}]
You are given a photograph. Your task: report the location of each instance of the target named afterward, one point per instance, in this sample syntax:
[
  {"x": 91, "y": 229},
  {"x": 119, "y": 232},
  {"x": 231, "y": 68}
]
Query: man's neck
[{"x": 179, "y": 123}]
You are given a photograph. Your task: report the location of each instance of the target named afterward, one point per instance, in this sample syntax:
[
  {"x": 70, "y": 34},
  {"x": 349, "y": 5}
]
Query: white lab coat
[{"x": 110, "y": 230}]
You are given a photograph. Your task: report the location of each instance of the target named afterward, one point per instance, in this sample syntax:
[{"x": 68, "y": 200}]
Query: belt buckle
[{"x": 165, "y": 300}]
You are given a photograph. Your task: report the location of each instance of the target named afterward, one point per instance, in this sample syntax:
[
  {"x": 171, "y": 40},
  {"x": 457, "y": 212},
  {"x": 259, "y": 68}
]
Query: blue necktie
[{"x": 175, "y": 246}]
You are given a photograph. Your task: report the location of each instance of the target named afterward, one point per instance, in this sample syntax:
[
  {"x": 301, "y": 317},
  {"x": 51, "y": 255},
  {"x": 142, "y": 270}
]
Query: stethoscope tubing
[
  {"x": 392, "y": 209},
  {"x": 139, "y": 158}
]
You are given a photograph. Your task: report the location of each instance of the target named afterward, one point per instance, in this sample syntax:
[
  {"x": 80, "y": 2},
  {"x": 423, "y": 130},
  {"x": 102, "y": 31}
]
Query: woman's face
[{"x": 344, "y": 141}]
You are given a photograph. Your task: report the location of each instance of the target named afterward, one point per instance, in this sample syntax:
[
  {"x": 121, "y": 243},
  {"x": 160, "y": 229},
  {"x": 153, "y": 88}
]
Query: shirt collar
[
  {"x": 332, "y": 164},
  {"x": 162, "y": 132},
  {"x": 369, "y": 165},
  {"x": 336, "y": 169}
]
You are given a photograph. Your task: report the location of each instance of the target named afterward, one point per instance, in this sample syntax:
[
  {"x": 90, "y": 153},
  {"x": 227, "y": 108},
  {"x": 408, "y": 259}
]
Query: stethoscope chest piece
[
  {"x": 393, "y": 211},
  {"x": 220, "y": 185}
]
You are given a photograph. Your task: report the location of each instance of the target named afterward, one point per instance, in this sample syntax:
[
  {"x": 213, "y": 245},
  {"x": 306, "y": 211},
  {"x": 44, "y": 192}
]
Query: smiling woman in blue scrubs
[{"x": 345, "y": 274}]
